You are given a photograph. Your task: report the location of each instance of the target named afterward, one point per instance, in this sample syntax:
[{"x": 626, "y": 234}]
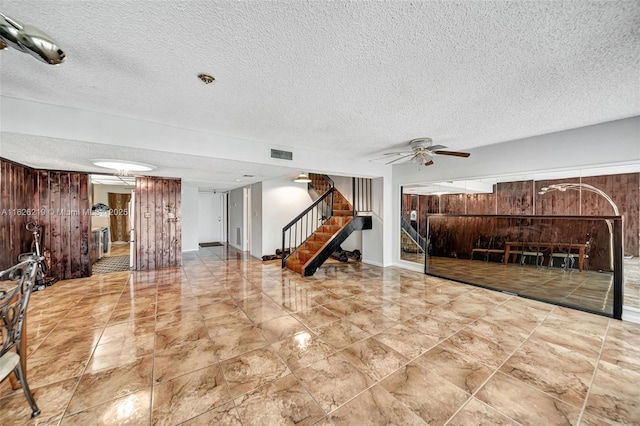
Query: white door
[{"x": 209, "y": 217}]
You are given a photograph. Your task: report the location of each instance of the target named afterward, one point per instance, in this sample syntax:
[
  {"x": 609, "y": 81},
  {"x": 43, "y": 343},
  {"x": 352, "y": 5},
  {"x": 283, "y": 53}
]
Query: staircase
[{"x": 338, "y": 222}]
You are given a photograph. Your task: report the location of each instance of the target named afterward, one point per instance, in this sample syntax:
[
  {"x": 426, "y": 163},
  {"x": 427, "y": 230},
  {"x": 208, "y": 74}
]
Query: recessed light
[{"x": 121, "y": 165}]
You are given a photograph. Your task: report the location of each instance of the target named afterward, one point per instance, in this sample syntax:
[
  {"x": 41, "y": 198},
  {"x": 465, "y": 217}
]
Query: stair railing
[
  {"x": 415, "y": 236},
  {"x": 321, "y": 183},
  {"x": 296, "y": 232},
  {"x": 361, "y": 195}
]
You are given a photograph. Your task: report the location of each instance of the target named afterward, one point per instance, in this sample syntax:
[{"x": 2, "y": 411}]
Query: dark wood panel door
[{"x": 158, "y": 228}]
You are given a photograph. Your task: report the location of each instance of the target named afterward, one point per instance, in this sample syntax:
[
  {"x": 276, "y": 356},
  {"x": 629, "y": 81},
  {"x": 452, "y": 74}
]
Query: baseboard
[
  {"x": 371, "y": 262},
  {"x": 190, "y": 250},
  {"x": 412, "y": 266},
  {"x": 631, "y": 314}
]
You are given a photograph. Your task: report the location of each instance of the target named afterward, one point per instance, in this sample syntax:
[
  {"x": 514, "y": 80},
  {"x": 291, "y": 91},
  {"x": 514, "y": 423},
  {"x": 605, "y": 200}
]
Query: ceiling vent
[{"x": 282, "y": 155}]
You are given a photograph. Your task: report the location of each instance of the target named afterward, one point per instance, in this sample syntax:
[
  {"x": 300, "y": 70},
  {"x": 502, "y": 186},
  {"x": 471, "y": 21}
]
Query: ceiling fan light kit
[{"x": 422, "y": 152}]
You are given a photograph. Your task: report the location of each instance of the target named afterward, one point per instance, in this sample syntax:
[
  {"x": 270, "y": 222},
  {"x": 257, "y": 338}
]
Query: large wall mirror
[{"x": 550, "y": 238}]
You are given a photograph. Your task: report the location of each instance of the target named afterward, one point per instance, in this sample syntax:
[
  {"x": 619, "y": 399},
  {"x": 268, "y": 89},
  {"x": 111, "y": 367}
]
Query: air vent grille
[{"x": 283, "y": 155}]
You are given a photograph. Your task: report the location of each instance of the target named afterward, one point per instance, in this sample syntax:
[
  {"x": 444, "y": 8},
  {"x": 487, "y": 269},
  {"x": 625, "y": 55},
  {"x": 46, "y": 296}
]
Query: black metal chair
[
  {"x": 14, "y": 300},
  {"x": 563, "y": 252}
]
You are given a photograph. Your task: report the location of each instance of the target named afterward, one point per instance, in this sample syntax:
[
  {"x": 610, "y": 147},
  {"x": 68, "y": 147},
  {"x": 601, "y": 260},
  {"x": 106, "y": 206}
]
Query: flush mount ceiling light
[
  {"x": 123, "y": 167},
  {"x": 302, "y": 178},
  {"x": 206, "y": 78},
  {"x": 31, "y": 40}
]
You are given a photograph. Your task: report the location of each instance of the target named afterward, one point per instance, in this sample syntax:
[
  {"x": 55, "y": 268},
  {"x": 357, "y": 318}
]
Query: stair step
[
  {"x": 342, "y": 215},
  {"x": 305, "y": 255},
  {"x": 314, "y": 246},
  {"x": 294, "y": 265},
  {"x": 330, "y": 229},
  {"x": 340, "y": 220},
  {"x": 321, "y": 236}
]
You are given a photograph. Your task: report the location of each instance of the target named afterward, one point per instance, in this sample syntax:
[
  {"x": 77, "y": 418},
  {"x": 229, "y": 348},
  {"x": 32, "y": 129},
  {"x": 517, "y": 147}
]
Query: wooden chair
[
  {"x": 482, "y": 246},
  {"x": 14, "y": 299},
  {"x": 497, "y": 247}
]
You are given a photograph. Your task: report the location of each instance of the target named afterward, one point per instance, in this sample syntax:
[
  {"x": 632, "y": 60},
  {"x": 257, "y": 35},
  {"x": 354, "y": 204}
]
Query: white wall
[
  {"x": 344, "y": 184},
  {"x": 282, "y": 200},
  {"x": 225, "y": 218},
  {"x": 603, "y": 145},
  {"x": 100, "y": 194},
  {"x": 236, "y": 217},
  {"x": 256, "y": 220},
  {"x": 190, "y": 217},
  {"x": 374, "y": 250}
]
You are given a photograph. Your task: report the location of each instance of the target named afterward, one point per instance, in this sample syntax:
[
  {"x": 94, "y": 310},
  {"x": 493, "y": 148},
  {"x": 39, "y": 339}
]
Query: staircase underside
[{"x": 327, "y": 239}]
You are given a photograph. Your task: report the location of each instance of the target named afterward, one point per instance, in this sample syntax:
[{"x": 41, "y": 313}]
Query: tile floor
[
  {"x": 228, "y": 339},
  {"x": 587, "y": 290}
]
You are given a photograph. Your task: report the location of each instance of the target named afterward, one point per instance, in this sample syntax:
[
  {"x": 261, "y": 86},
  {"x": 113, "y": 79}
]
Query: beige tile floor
[{"x": 228, "y": 339}]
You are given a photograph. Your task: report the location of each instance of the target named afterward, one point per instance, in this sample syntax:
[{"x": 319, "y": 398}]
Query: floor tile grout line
[
  {"x": 497, "y": 370},
  {"x": 342, "y": 298},
  {"x": 473, "y": 394},
  {"x": 376, "y": 381},
  {"x": 93, "y": 350},
  {"x": 483, "y": 403},
  {"x": 595, "y": 371}
]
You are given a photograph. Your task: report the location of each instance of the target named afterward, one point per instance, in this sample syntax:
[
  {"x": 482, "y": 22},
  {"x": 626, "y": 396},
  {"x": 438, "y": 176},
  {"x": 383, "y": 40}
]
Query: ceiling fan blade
[
  {"x": 454, "y": 153},
  {"x": 398, "y": 153},
  {"x": 399, "y": 158},
  {"x": 387, "y": 155},
  {"x": 428, "y": 163}
]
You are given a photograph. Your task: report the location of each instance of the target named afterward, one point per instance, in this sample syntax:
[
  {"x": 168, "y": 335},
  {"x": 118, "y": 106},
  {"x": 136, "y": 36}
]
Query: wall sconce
[{"x": 302, "y": 178}]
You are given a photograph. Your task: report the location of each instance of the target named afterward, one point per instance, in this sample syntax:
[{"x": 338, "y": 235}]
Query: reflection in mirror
[
  {"x": 586, "y": 194},
  {"x": 562, "y": 260}
]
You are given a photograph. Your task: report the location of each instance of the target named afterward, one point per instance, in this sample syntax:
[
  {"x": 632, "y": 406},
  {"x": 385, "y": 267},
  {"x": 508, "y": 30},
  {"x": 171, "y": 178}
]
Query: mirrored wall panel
[{"x": 572, "y": 261}]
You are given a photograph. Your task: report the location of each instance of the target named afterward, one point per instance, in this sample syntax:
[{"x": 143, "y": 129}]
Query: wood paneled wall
[
  {"x": 515, "y": 197},
  {"x": 65, "y": 198},
  {"x": 457, "y": 236},
  {"x": 481, "y": 203},
  {"x": 158, "y": 228},
  {"x": 60, "y": 203},
  {"x": 522, "y": 198},
  {"x": 16, "y": 199}
]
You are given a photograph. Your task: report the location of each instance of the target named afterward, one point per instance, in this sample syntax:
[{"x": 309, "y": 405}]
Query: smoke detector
[{"x": 206, "y": 78}]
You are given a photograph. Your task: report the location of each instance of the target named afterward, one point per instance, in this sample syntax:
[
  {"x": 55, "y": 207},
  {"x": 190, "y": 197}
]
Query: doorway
[
  {"x": 110, "y": 223},
  {"x": 210, "y": 217}
]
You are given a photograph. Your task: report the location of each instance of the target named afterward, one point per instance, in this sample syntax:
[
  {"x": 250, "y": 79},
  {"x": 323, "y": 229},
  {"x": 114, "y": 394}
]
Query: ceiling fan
[{"x": 422, "y": 152}]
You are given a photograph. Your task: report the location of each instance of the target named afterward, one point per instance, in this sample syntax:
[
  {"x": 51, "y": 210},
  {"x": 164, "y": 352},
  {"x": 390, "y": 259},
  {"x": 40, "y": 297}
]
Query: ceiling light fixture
[
  {"x": 302, "y": 178},
  {"x": 206, "y": 78},
  {"x": 123, "y": 167},
  {"x": 29, "y": 39}
]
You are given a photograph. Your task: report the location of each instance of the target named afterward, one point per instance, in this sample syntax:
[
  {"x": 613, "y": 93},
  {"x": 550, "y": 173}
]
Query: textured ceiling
[{"x": 356, "y": 77}]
